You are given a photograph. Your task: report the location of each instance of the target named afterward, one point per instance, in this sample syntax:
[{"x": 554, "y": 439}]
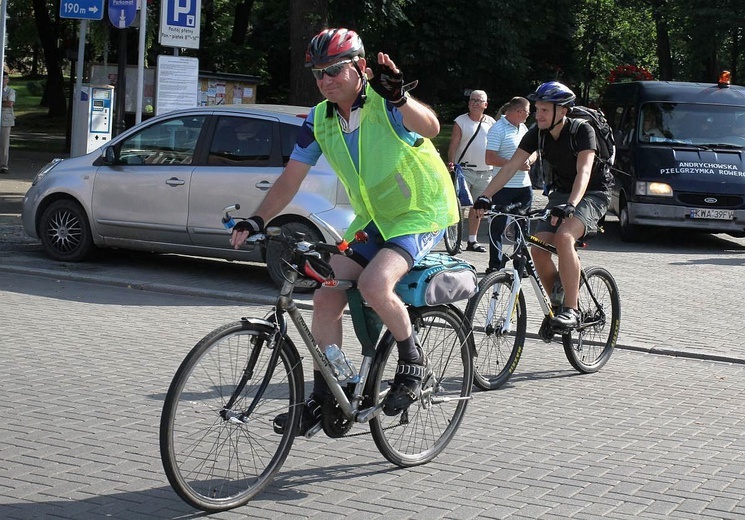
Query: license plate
[{"x": 714, "y": 214}]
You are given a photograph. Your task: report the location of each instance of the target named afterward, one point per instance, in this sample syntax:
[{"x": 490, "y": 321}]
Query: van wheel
[
  {"x": 276, "y": 252},
  {"x": 629, "y": 232}
]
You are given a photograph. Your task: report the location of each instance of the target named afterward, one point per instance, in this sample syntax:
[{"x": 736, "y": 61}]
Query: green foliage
[{"x": 505, "y": 47}]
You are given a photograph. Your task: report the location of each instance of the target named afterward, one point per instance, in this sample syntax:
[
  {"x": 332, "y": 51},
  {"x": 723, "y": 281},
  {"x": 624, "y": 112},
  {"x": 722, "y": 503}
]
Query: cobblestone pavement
[{"x": 86, "y": 367}]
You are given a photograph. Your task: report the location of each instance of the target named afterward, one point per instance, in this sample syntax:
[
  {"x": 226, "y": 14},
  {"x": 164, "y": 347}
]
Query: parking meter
[{"x": 100, "y": 116}]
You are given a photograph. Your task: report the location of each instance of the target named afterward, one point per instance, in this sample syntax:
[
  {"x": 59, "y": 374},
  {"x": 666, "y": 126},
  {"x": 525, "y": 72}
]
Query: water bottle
[{"x": 343, "y": 368}]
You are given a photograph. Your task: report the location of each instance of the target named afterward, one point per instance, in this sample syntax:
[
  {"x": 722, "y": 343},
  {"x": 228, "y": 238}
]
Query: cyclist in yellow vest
[{"x": 376, "y": 138}]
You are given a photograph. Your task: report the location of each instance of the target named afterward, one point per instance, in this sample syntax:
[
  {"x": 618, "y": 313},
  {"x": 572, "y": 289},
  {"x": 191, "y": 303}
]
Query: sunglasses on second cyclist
[{"x": 332, "y": 70}]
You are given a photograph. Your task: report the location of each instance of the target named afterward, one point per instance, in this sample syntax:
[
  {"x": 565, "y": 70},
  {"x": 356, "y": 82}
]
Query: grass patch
[
  {"x": 35, "y": 129},
  {"x": 442, "y": 140}
]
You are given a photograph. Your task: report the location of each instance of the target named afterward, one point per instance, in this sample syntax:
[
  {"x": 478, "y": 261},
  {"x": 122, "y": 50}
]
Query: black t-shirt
[{"x": 562, "y": 159}]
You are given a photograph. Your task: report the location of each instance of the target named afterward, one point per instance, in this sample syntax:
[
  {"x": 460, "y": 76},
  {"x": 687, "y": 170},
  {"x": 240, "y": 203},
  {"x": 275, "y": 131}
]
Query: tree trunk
[
  {"x": 240, "y": 24},
  {"x": 307, "y": 18},
  {"x": 206, "y": 60},
  {"x": 55, "y": 88},
  {"x": 664, "y": 56}
]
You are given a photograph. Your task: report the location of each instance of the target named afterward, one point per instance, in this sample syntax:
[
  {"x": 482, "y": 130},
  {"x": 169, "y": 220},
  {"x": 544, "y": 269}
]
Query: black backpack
[
  {"x": 605, "y": 155},
  {"x": 606, "y": 152}
]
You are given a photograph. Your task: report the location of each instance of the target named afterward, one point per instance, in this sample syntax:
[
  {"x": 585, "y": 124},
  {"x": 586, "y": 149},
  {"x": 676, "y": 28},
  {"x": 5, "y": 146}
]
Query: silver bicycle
[{"x": 217, "y": 442}]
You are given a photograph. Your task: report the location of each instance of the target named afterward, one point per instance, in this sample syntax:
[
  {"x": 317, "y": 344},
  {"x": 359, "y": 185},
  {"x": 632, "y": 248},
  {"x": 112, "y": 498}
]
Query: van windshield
[{"x": 693, "y": 124}]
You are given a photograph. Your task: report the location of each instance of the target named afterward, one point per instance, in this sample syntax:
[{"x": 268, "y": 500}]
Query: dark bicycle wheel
[
  {"x": 213, "y": 458},
  {"x": 418, "y": 434},
  {"x": 590, "y": 346},
  {"x": 454, "y": 234},
  {"x": 497, "y": 352}
]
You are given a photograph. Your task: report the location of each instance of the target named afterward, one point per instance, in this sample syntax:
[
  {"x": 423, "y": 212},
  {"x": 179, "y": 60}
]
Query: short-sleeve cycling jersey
[{"x": 562, "y": 158}]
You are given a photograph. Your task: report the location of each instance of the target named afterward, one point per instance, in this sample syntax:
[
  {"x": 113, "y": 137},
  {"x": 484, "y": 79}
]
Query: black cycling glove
[
  {"x": 563, "y": 211},
  {"x": 253, "y": 225},
  {"x": 387, "y": 83},
  {"x": 483, "y": 202},
  {"x": 390, "y": 85}
]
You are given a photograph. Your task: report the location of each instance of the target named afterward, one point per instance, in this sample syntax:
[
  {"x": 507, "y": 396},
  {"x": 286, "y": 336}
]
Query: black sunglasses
[{"x": 332, "y": 70}]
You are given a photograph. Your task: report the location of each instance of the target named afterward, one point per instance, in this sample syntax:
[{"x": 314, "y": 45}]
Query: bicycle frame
[
  {"x": 286, "y": 305},
  {"x": 523, "y": 261}
]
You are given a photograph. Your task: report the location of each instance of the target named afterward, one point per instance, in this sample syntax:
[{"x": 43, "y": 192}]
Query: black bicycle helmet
[
  {"x": 553, "y": 92},
  {"x": 333, "y": 44}
]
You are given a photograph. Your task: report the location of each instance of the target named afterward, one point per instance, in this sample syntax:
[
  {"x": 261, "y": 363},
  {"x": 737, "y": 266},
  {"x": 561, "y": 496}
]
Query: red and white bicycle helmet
[{"x": 333, "y": 44}]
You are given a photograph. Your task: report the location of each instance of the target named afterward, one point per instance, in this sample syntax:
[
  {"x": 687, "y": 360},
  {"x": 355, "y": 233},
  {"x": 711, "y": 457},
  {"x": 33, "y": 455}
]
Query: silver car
[{"x": 161, "y": 186}]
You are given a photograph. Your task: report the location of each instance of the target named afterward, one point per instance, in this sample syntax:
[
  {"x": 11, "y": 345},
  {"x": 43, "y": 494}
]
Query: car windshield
[{"x": 693, "y": 124}]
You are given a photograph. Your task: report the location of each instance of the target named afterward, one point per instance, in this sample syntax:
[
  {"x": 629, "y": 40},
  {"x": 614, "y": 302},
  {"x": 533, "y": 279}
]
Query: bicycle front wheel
[
  {"x": 497, "y": 352},
  {"x": 590, "y": 346},
  {"x": 417, "y": 435},
  {"x": 454, "y": 234},
  {"x": 214, "y": 457}
]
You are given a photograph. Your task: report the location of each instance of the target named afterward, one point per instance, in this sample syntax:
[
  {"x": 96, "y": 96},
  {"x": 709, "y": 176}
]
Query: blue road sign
[
  {"x": 81, "y": 9},
  {"x": 122, "y": 13},
  {"x": 182, "y": 13}
]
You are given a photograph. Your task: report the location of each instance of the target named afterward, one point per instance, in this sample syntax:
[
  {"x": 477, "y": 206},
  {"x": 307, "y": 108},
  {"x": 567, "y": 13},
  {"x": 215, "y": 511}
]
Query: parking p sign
[{"x": 179, "y": 23}]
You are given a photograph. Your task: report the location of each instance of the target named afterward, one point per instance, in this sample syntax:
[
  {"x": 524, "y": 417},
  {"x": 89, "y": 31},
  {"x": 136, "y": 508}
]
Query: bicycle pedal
[{"x": 313, "y": 430}]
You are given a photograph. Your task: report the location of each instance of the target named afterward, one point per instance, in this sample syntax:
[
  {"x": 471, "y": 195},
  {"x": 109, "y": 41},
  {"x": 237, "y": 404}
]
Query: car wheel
[
  {"x": 277, "y": 255},
  {"x": 65, "y": 232}
]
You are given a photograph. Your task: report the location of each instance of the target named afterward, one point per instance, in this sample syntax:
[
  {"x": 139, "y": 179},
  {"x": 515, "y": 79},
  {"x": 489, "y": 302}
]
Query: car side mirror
[{"x": 109, "y": 155}]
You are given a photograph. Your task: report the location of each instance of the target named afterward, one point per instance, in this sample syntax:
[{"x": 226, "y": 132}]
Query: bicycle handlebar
[
  {"x": 516, "y": 210},
  {"x": 307, "y": 255}
]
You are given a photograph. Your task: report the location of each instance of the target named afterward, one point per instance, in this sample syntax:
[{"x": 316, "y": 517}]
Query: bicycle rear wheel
[
  {"x": 590, "y": 346},
  {"x": 417, "y": 435},
  {"x": 497, "y": 353},
  {"x": 214, "y": 459},
  {"x": 454, "y": 234}
]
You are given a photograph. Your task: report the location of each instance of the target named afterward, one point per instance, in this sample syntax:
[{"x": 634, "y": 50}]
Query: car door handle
[
  {"x": 264, "y": 185},
  {"x": 174, "y": 181}
]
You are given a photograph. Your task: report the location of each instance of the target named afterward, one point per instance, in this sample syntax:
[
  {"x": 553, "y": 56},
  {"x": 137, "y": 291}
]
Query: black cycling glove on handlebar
[
  {"x": 563, "y": 211},
  {"x": 483, "y": 202},
  {"x": 253, "y": 225}
]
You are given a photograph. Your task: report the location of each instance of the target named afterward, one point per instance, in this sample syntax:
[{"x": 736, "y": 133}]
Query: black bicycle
[
  {"x": 217, "y": 442},
  {"x": 498, "y": 313}
]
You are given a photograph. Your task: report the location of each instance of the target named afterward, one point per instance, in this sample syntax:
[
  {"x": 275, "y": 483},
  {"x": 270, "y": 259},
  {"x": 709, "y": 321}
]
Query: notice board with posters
[{"x": 226, "y": 89}]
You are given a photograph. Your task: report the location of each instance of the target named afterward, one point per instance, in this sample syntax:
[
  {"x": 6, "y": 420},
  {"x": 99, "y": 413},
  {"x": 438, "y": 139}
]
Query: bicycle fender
[{"x": 260, "y": 322}]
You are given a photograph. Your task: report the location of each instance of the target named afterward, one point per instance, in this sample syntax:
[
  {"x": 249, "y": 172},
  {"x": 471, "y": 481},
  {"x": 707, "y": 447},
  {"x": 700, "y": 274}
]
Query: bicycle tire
[
  {"x": 420, "y": 433},
  {"x": 497, "y": 354},
  {"x": 590, "y": 346},
  {"x": 454, "y": 234},
  {"x": 216, "y": 464}
]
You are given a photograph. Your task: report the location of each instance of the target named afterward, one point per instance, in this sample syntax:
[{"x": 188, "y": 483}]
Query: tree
[
  {"x": 49, "y": 33},
  {"x": 307, "y": 18}
]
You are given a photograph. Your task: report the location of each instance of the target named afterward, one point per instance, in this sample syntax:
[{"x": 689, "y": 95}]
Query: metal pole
[
  {"x": 121, "y": 84},
  {"x": 78, "y": 145},
  {"x": 3, "y": 17},
  {"x": 141, "y": 60}
]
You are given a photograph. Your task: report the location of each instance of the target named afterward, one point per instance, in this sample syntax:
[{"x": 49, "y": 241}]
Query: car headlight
[
  {"x": 654, "y": 189},
  {"x": 46, "y": 169}
]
